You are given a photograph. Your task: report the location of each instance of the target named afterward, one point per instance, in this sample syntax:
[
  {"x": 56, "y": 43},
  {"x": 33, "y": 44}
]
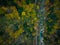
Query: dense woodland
[{"x": 19, "y": 22}]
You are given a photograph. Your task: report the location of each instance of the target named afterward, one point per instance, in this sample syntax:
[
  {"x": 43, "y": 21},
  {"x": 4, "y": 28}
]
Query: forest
[{"x": 21, "y": 22}]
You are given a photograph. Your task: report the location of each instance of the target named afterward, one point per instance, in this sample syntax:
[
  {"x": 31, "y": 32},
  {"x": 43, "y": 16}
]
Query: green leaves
[{"x": 52, "y": 24}]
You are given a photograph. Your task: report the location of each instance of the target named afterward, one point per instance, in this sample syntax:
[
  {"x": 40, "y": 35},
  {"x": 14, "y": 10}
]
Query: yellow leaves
[
  {"x": 37, "y": 7},
  {"x": 18, "y": 18},
  {"x": 34, "y": 34},
  {"x": 4, "y": 8},
  {"x": 47, "y": 2},
  {"x": 23, "y": 13},
  {"x": 31, "y": 5},
  {"x": 28, "y": 8},
  {"x": 33, "y": 14},
  {"x": 35, "y": 18},
  {"x": 18, "y": 32},
  {"x": 57, "y": 11},
  {"x": 13, "y": 8},
  {"x": 55, "y": 26},
  {"x": 9, "y": 16},
  {"x": 30, "y": 11},
  {"x": 15, "y": 34},
  {"x": 14, "y": 14}
]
